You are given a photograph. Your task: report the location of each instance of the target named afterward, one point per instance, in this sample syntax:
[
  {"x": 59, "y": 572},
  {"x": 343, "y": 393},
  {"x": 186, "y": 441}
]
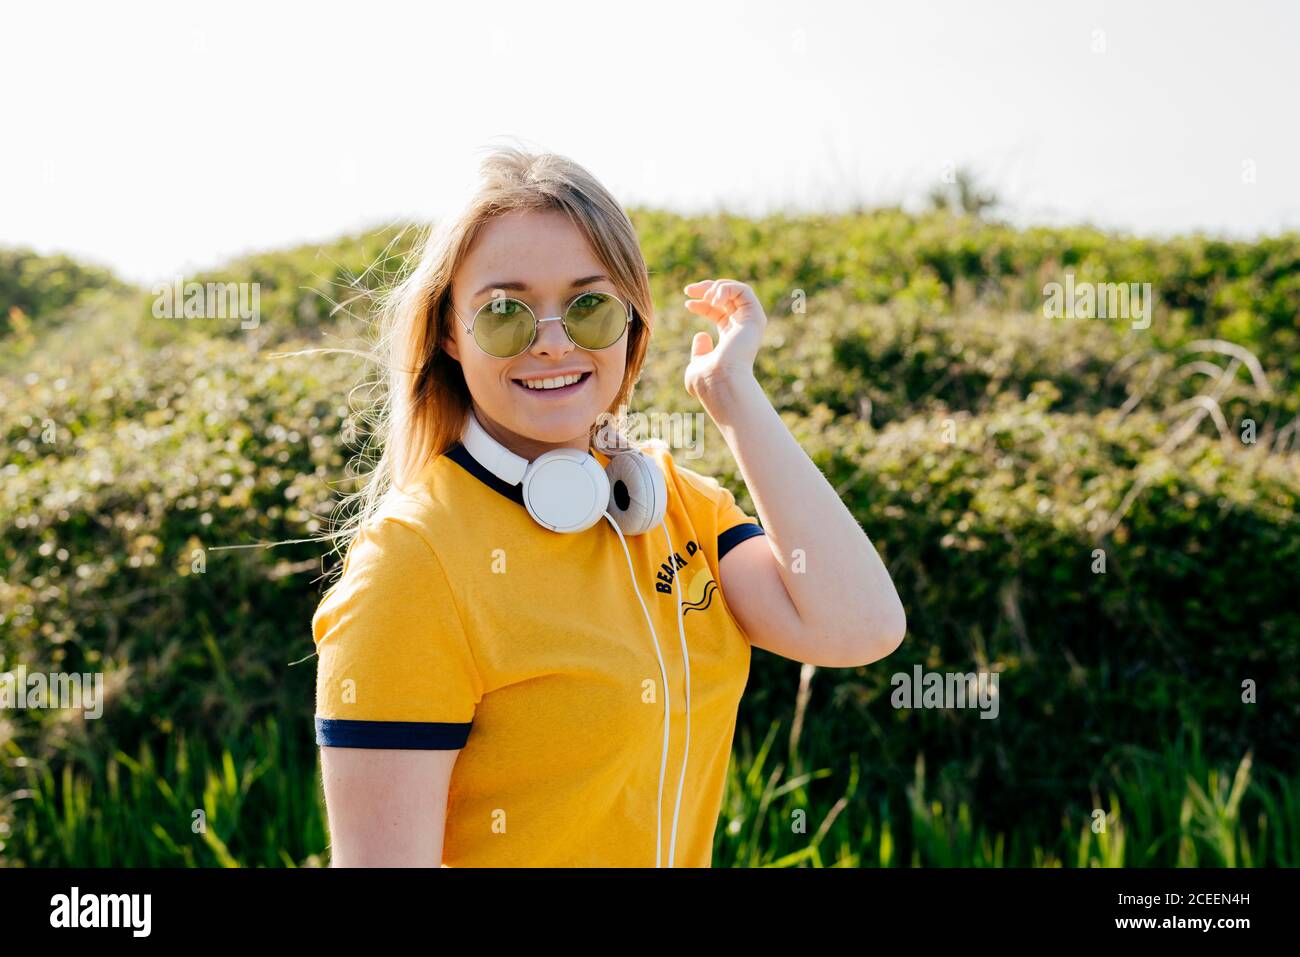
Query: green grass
[
  {"x": 256, "y": 803},
  {"x": 1162, "y": 809},
  {"x": 261, "y": 804}
]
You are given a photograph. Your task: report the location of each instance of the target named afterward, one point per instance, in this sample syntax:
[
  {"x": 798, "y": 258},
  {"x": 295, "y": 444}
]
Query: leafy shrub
[
  {"x": 988, "y": 451},
  {"x": 33, "y": 288}
]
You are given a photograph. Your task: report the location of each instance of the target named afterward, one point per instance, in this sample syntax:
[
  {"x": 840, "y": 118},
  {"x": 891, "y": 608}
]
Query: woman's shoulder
[
  {"x": 708, "y": 501},
  {"x": 415, "y": 508},
  {"x": 404, "y": 525},
  {"x": 390, "y": 546},
  {"x": 698, "y": 486}
]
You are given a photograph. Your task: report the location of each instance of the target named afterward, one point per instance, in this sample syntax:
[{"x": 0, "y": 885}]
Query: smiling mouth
[{"x": 554, "y": 392}]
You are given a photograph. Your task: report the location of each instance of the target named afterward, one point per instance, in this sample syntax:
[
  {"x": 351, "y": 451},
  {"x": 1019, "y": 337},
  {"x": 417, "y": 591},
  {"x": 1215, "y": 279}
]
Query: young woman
[{"x": 514, "y": 670}]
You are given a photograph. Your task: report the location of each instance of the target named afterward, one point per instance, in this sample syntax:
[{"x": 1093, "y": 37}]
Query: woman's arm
[
  {"x": 386, "y": 807},
  {"x": 813, "y": 588},
  {"x": 394, "y": 667}
]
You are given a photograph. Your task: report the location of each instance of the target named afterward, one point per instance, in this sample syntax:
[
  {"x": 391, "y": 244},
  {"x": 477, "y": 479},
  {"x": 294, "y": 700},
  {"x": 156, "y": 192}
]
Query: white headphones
[{"x": 567, "y": 490}]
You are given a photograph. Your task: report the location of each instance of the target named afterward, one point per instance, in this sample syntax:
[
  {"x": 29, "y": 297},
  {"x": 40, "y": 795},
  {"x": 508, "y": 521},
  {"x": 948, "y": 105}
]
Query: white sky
[{"x": 161, "y": 138}]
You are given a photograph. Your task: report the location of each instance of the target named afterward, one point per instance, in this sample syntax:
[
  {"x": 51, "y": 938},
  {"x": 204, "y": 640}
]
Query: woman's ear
[
  {"x": 448, "y": 345},
  {"x": 448, "y": 342}
]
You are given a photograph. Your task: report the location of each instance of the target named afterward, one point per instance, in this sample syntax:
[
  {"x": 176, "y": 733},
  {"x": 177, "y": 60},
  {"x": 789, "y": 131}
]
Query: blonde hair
[{"x": 424, "y": 402}]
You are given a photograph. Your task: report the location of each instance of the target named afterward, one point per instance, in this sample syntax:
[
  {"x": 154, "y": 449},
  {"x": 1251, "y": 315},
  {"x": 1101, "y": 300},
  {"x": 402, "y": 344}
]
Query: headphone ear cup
[
  {"x": 638, "y": 492},
  {"x": 566, "y": 490}
]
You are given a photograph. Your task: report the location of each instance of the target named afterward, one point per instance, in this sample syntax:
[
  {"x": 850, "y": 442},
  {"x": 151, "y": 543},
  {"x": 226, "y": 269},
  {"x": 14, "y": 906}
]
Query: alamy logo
[
  {"x": 1098, "y": 300},
  {"x": 59, "y": 689},
  {"x": 214, "y": 300},
  {"x": 103, "y": 910},
  {"x": 946, "y": 689}
]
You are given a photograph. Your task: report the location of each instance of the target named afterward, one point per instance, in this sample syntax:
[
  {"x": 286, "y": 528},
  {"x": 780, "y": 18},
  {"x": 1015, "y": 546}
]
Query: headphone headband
[{"x": 491, "y": 454}]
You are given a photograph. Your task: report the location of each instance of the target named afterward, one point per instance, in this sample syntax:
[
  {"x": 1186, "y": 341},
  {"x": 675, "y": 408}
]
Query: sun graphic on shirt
[{"x": 699, "y": 593}]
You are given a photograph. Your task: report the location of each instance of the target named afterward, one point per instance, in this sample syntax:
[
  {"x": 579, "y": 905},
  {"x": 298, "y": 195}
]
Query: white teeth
[{"x": 554, "y": 383}]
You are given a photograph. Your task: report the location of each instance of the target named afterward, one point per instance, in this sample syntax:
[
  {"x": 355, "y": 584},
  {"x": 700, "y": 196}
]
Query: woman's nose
[{"x": 551, "y": 337}]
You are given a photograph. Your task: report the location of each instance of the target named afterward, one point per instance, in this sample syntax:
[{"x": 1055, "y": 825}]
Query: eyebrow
[{"x": 518, "y": 286}]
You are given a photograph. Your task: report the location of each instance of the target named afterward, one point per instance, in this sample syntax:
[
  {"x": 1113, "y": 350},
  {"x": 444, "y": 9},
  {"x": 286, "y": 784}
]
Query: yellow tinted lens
[
  {"x": 595, "y": 320},
  {"x": 503, "y": 327}
]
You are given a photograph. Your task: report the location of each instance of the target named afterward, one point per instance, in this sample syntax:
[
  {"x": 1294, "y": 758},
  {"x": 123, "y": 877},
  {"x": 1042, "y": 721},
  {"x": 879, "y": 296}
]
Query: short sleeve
[
  {"x": 733, "y": 524},
  {"x": 394, "y": 664}
]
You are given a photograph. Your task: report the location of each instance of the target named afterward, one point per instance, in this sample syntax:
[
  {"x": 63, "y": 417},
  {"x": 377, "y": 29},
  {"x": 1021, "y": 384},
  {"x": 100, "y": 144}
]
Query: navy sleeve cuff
[
  {"x": 414, "y": 735},
  {"x": 737, "y": 534}
]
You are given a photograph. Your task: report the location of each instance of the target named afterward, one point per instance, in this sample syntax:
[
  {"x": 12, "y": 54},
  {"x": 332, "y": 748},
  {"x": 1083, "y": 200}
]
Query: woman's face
[{"x": 541, "y": 258}]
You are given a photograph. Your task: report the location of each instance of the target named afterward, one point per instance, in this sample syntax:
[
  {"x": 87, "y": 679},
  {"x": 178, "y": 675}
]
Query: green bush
[
  {"x": 34, "y": 289},
  {"x": 988, "y": 451},
  {"x": 992, "y": 539},
  {"x": 157, "y": 459}
]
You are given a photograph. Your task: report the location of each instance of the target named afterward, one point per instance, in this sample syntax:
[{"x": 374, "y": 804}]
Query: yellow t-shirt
[{"x": 459, "y": 622}]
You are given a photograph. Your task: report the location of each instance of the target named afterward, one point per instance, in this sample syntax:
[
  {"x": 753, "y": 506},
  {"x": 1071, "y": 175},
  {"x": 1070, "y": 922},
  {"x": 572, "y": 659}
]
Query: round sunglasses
[{"x": 504, "y": 327}]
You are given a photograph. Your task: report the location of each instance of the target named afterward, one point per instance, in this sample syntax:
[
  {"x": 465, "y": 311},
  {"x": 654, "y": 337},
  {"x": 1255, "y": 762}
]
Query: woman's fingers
[
  {"x": 727, "y": 295},
  {"x": 707, "y": 310},
  {"x": 714, "y": 299}
]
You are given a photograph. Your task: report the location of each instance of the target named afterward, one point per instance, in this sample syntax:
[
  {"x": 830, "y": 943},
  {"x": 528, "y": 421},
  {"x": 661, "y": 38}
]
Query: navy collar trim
[{"x": 460, "y": 455}]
